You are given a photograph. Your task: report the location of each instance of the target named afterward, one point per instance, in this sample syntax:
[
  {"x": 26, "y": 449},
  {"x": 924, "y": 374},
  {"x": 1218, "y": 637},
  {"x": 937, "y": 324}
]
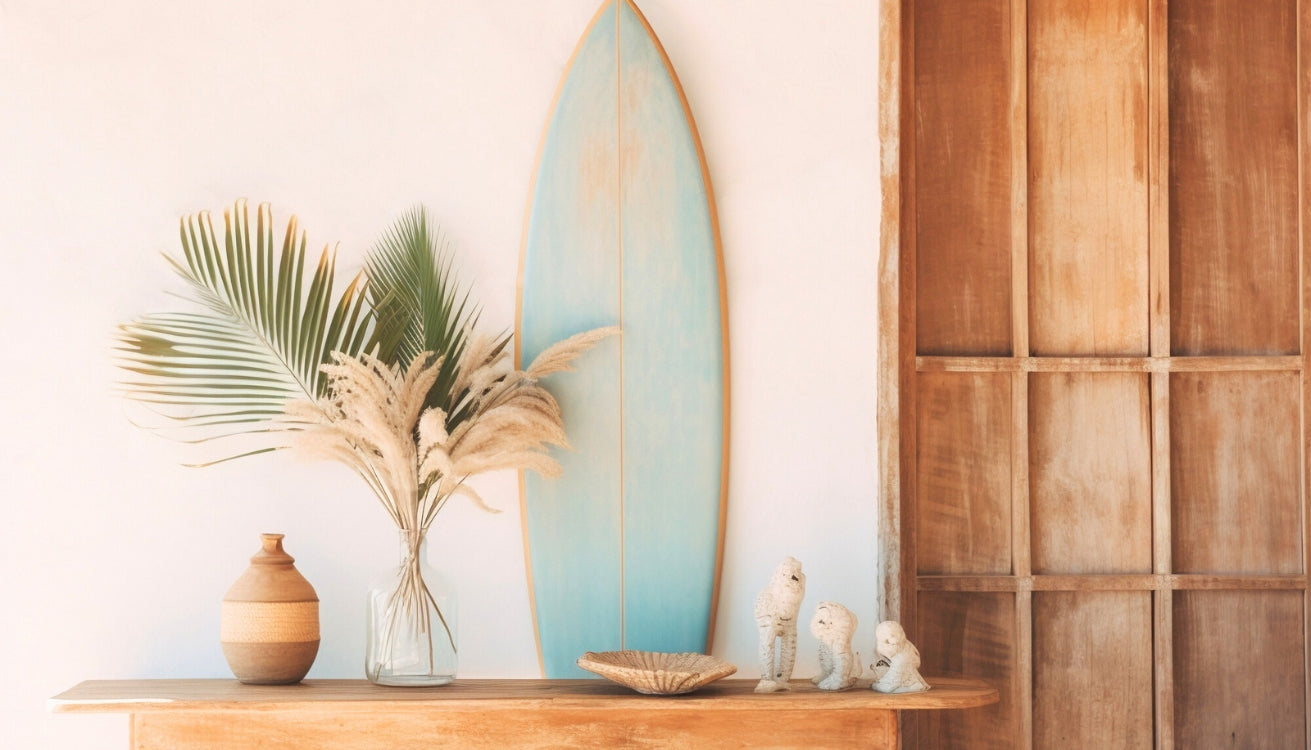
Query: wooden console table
[{"x": 472, "y": 714}]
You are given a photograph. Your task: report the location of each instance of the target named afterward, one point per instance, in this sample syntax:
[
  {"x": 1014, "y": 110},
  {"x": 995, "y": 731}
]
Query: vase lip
[{"x": 271, "y": 551}]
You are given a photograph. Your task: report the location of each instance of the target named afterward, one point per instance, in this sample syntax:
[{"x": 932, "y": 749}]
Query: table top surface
[{"x": 147, "y": 696}]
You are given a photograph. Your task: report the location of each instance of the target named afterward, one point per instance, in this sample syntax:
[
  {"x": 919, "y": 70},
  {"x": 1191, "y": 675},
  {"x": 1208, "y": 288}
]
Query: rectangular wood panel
[
  {"x": 1090, "y": 473},
  {"x": 973, "y": 635},
  {"x": 1235, "y": 467},
  {"x": 962, "y": 177},
  {"x": 1092, "y": 670},
  {"x": 1239, "y": 669},
  {"x": 523, "y": 729},
  {"x": 1088, "y": 177},
  {"x": 964, "y": 468},
  {"x": 1157, "y": 439},
  {"x": 1233, "y": 177}
]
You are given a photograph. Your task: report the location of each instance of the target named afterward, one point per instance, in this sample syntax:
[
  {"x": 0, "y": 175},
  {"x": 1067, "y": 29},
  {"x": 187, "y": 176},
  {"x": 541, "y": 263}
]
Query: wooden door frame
[{"x": 890, "y": 394}]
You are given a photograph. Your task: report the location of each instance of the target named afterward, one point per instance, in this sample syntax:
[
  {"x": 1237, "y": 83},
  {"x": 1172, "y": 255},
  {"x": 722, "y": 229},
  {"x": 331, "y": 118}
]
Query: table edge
[{"x": 153, "y": 696}]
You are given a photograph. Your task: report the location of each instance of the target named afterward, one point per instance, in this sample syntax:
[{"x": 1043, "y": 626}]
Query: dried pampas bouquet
[{"x": 389, "y": 378}]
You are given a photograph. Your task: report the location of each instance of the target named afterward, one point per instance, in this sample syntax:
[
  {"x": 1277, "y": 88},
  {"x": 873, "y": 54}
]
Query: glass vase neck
[{"x": 413, "y": 544}]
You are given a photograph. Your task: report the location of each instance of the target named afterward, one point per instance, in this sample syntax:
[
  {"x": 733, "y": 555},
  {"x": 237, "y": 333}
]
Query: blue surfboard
[{"x": 624, "y": 550}]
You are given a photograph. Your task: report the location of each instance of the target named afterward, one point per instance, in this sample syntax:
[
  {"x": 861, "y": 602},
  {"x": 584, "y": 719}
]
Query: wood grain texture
[
  {"x": 1236, "y": 473},
  {"x": 889, "y": 312},
  {"x": 1239, "y": 669},
  {"x": 962, "y": 177},
  {"x": 1109, "y": 364},
  {"x": 497, "y": 730},
  {"x": 1087, "y": 192},
  {"x": 1234, "y": 254},
  {"x": 1163, "y": 668},
  {"x": 165, "y": 696},
  {"x": 1158, "y": 178},
  {"x": 1092, "y": 681},
  {"x": 907, "y": 324},
  {"x": 1160, "y": 452},
  {"x": 1021, "y": 496},
  {"x": 1304, "y": 250},
  {"x": 964, "y": 469},
  {"x": 1090, "y": 473},
  {"x": 970, "y": 634},
  {"x": 1153, "y": 582},
  {"x": 1019, "y": 145},
  {"x": 341, "y": 714},
  {"x": 1203, "y": 105}
]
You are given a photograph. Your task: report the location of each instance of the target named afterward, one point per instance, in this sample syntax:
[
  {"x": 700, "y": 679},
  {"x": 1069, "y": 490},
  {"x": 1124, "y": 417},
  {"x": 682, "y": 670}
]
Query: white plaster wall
[{"x": 117, "y": 118}]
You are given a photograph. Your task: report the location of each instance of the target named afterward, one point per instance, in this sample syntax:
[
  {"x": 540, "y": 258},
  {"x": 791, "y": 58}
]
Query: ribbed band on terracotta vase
[{"x": 269, "y": 622}]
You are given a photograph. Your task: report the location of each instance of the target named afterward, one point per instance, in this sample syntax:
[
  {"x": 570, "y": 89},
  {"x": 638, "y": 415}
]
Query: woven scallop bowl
[{"x": 656, "y": 673}]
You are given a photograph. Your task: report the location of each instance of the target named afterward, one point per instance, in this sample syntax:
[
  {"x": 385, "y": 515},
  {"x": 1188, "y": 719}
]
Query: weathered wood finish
[
  {"x": 965, "y": 474},
  {"x": 962, "y": 204},
  {"x": 1088, "y": 177},
  {"x": 354, "y": 715},
  {"x": 1090, "y": 473},
  {"x": 498, "y": 730},
  {"x": 1239, "y": 672},
  {"x": 1235, "y": 473},
  {"x": 1135, "y": 267},
  {"x": 1092, "y": 664},
  {"x": 890, "y": 354},
  {"x": 966, "y": 633},
  {"x": 1108, "y": 364},
  {"x": 1234, "y": 255}
]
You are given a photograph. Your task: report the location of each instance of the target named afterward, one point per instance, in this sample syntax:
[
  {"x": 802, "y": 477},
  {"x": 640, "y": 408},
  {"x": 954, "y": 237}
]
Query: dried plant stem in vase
[{"x": 412, "y": 617}]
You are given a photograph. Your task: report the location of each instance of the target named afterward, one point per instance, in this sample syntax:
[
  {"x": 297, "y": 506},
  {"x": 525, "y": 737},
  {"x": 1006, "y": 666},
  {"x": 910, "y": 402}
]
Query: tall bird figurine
[{"x": 776, "y": 617}]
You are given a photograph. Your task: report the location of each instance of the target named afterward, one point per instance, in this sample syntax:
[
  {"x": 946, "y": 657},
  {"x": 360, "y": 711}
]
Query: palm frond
[
  {"x": 259, "y": 338},
  {"x": 419, "y": 304}
]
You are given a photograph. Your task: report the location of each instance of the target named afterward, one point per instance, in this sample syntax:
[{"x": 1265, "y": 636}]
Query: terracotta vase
[{"x": 270, "y": 619}]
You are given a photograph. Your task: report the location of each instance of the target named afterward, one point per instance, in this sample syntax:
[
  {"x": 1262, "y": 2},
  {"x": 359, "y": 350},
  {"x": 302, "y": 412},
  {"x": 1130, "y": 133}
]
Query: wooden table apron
[{"x": 355, "y": 715}]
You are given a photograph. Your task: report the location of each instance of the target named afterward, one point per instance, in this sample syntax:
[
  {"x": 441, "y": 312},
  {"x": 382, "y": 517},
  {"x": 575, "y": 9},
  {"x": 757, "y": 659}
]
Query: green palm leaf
[
  {"x": 418, "y": 304},
  {"x": 259, "y": 339}
]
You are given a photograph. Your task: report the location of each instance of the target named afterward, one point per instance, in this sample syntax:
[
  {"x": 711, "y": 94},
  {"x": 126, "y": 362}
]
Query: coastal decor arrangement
[
  {"x": 625, "y": 550},
  {"x": 833, "y": 625},
  {"x": 776, "y": 611},
  {"x": 269, "y": 623},
  {"x": 655, "y": 673},
  {"x": 897, "y": 668},
  {"x": 391, "y": 380}
]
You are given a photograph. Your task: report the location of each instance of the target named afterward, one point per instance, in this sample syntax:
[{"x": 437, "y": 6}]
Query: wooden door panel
[
  {"x": 1103, "y": 291},
  {"x": 1088, "y": 178},
  {"x": 1239, "y": 669},
  {"x": 1092, "y": 669},
  {"x": 1233, "y": 177},
  {"x": 970, "y": 633},
  {"x": 962, "y": 200},
  {"x": 964, "y": 467},
  {"x": 1090, "y": 471},
  {"x": 1235, "y": 469}
]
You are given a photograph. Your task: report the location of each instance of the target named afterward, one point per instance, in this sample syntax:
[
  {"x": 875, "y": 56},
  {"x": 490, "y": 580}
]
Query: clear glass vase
[{"x": 412, "y": 622}]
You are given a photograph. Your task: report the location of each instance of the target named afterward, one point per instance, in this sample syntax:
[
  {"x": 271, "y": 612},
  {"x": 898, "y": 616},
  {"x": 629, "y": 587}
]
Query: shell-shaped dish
[{"x": 655, "y": 673}]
